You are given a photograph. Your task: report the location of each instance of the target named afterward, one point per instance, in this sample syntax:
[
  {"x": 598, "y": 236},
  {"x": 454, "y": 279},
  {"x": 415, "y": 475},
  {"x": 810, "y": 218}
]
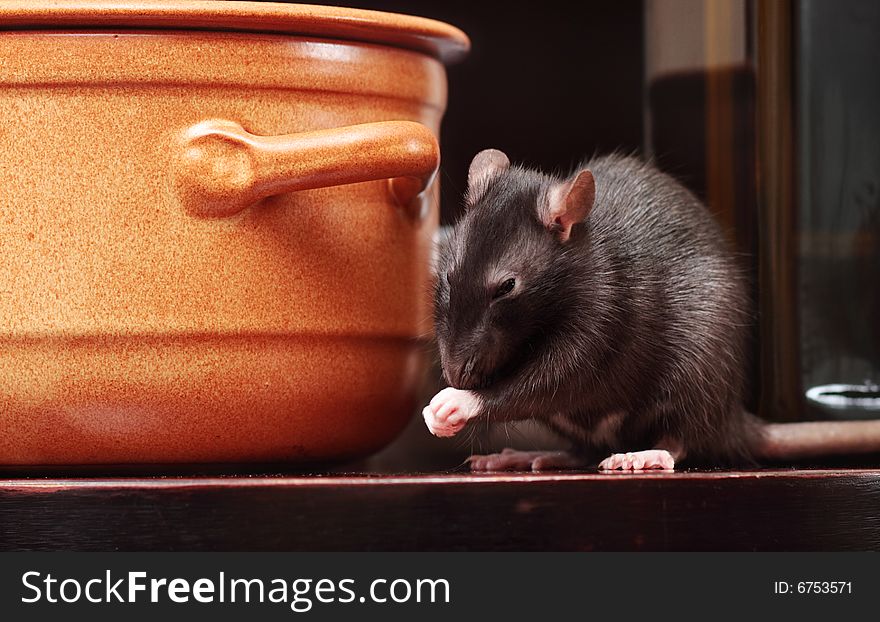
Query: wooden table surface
[{"x": 789, "y": 510}]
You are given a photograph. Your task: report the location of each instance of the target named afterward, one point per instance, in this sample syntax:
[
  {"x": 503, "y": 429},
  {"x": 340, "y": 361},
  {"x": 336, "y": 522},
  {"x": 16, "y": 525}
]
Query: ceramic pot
[{"x": 215, "y": 228}]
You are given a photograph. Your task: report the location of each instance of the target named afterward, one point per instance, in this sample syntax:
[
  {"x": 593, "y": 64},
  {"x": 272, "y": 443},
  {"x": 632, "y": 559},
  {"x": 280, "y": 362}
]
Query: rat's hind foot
[
  {"x": 513, "y": 460},
  {"x": 450, "y": 410},
  {"x": 639, "y": 461}
]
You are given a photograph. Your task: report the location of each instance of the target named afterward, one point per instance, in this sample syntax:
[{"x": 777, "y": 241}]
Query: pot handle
[{"x": 223, "y": 169}]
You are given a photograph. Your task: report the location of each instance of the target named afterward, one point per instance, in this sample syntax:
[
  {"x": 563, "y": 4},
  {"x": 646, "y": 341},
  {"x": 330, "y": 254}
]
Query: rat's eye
[{"x": 505, "y": 288}]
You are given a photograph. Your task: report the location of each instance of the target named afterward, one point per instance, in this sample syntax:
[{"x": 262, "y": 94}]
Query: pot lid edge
[{"x": 438, "y": 39}]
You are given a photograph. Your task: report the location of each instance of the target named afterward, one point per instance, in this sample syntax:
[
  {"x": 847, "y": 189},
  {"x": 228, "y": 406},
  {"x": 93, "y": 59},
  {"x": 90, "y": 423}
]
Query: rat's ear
[
  {"x": 569, "y": 203},
  {"x": 485, "y": 165}
]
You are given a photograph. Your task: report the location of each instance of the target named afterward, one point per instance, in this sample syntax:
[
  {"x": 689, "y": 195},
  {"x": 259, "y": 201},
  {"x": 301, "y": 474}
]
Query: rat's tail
[{"x": 792, "y": 441}]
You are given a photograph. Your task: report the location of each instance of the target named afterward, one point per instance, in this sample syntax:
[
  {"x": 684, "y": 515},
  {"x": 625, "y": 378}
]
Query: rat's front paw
[
  {"x": 639, "y": 461},
  {"x": 450, "y": 410}
]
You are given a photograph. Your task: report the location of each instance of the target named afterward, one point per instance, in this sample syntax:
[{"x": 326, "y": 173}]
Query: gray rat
[{"x": 607, "y": 306}]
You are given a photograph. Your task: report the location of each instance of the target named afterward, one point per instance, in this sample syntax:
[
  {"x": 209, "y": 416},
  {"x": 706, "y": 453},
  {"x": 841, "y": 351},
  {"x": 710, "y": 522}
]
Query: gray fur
[{"x": 642, "y": 312}]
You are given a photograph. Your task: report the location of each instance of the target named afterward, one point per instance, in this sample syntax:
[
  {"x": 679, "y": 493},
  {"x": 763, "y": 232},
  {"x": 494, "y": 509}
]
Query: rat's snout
[
  {"x": 459, "y": 372},
  {"x": 467, "y": 372},
  {"x": 470, "y": 360}
]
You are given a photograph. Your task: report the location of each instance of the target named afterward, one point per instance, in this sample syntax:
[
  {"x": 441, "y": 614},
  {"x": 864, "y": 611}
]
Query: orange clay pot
[{"x": 215, "y": 228}]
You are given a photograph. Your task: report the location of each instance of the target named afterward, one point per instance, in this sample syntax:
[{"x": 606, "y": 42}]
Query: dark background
[{"x": 549, "y": 83}]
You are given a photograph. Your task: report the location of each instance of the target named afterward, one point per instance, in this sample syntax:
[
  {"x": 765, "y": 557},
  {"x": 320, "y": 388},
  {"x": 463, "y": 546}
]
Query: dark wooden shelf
[{"x": 789, "y": 510}]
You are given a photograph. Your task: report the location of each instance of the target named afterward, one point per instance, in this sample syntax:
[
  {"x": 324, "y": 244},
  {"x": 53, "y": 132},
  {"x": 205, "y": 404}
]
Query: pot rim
[{"x": 438, "y": 39}]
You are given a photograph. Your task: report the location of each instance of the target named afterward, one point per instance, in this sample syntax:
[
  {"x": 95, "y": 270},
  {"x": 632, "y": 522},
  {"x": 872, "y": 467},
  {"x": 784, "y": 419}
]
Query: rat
[{"x": 606, "y": 305}]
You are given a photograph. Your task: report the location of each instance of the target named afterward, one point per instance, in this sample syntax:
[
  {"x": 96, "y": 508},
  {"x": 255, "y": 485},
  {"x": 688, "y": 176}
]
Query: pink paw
[
  {"x": 449, "y": 411},
  {"x": 639, "y": 461},
  {"x": 513, "y": 460}
]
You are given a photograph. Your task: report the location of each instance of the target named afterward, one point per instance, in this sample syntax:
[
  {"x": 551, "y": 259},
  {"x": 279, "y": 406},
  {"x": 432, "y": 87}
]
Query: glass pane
[{"x": 838, "y": 159}]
